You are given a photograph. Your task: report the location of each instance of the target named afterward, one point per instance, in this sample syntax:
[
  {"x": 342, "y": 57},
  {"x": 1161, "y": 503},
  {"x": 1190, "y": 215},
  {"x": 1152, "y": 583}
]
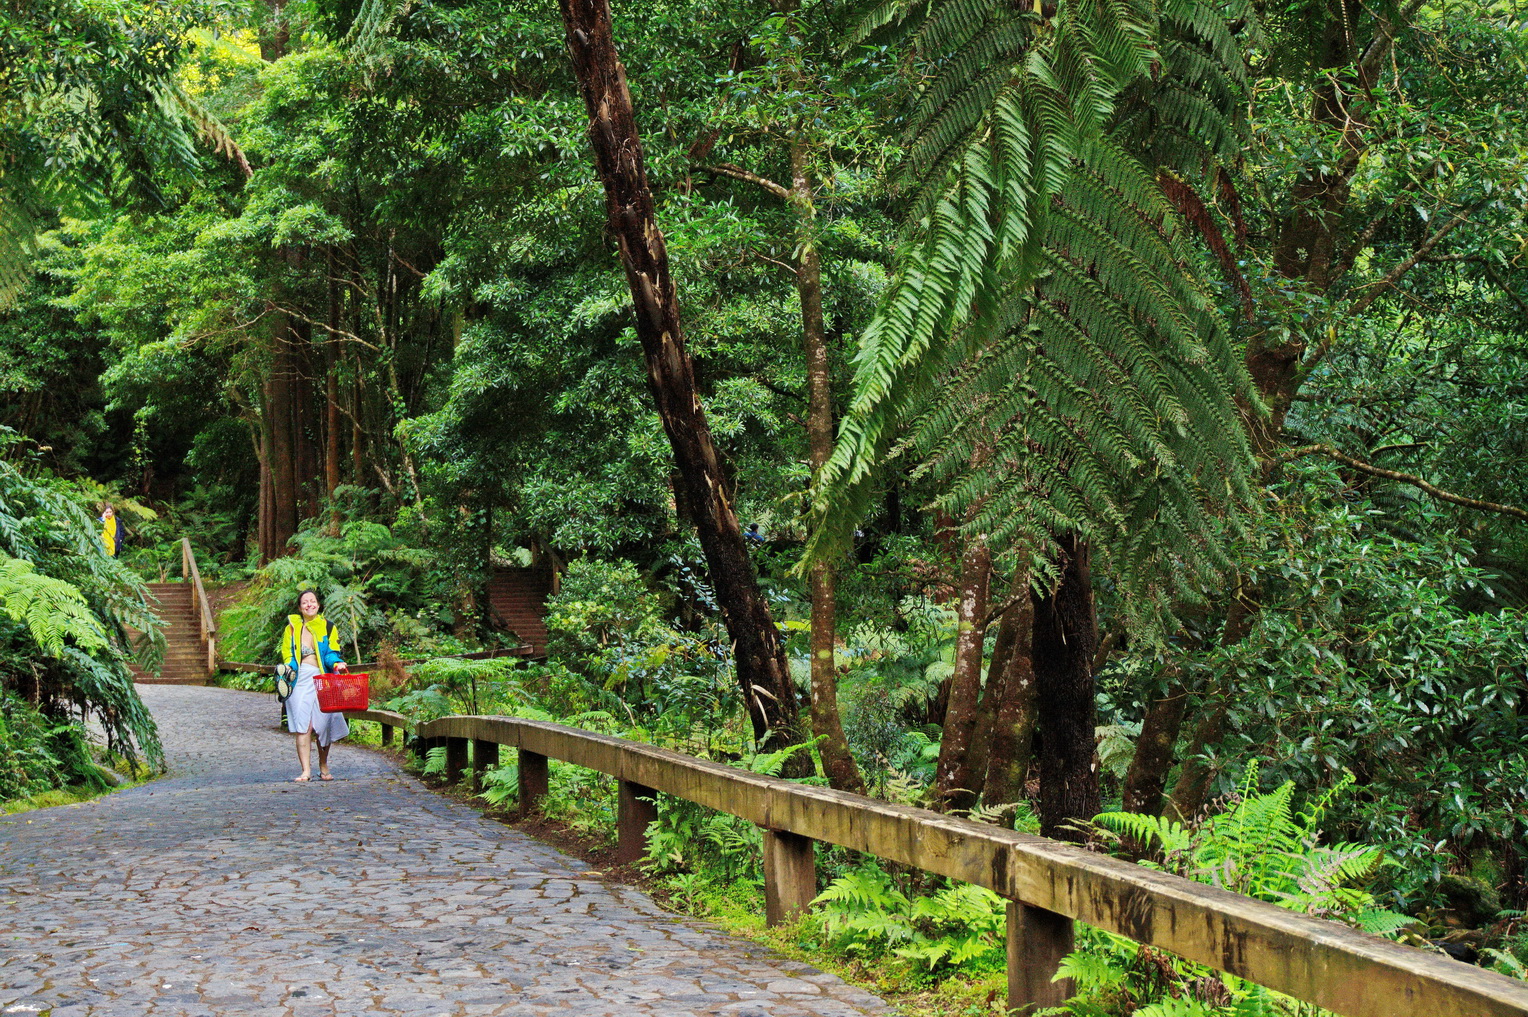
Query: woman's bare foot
[
  {"x": 301, "y": 778},
  {"x": 326, "y": 776}
]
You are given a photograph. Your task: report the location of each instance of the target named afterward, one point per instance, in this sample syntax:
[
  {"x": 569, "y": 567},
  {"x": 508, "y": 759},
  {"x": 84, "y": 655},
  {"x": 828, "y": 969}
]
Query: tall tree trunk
[
  {"x": 275, "y": 34},
  {"x": 281, "y": 451},
  {"x": 1013, "y": 719},
  {"x": 1306, "y": 248},
  {"x": 1065, "y": 637},
  {"x": 827, "y": 725},
  {"x": 332, "y": 402},
  {"x": 305, "y": 424},
  {"x": 357, "y": 435},
  {"x": 263, "y": 454},
  {"x": 956, "y": 775},
  {"x": 761, "y": 667}
]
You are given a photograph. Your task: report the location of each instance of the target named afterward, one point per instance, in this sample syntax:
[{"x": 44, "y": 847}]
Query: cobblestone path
[{"x": 227, "y": 889}]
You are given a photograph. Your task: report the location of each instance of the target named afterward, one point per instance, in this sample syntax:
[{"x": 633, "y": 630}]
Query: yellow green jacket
[
  {"x": 109, "y": 535},
  {"x": 291, "y": 641}
]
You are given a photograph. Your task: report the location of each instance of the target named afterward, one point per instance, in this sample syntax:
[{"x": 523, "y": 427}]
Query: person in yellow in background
[
  {"x": 306, "y": 648},
  {"x": 109, "y": 531}
]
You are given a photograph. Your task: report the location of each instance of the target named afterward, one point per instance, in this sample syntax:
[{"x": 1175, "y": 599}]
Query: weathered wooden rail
[
  {"x": 206, "y": 620},
  {"x": 1047, "y": 883}
]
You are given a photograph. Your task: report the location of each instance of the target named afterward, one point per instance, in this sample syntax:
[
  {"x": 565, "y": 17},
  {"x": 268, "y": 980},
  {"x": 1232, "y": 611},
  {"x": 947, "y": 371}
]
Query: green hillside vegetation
[{"x": 1131, "y": 400}]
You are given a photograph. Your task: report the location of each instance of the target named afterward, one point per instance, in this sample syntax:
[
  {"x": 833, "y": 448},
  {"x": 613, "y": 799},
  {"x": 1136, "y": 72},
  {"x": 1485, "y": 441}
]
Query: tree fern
[
  {"x": 1050, "y": 345},
  {"x": 70, "y": 606},
  {"x": 53, "y": 612},
  {"x": 373, "y": 21}
]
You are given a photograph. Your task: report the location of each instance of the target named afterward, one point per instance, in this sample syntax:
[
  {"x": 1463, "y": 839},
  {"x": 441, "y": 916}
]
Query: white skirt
[{"x": 303, "y": 713}]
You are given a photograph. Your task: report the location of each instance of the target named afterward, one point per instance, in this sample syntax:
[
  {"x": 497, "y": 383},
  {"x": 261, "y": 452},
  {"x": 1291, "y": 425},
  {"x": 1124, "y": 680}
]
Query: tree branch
[
  {"x": 1387, "y": 281},
  {"x": 1003, "y": 608},
  {"x": 773, "y": 261},
  {"x": 1346, "y": 259},
  {"x": 1423, "y": 250},
  {"x": 777, "y": 389},
  {"x": 727, "y": 169},
  {"x": 1404, "y": 478},
  {"x": 1508, "y": 290}
]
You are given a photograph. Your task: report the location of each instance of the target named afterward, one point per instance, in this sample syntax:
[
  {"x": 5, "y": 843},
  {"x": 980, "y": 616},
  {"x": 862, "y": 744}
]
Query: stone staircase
[
  {"x": 517, "y": 597},
  {"x": 185, "y": 660}
]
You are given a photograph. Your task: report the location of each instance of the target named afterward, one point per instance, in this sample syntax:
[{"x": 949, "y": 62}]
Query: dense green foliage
[{"x": 1234, "y": 293}]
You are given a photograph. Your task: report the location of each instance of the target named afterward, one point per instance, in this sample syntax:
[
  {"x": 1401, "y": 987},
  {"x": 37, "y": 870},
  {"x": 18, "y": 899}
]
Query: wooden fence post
[
  {"x": 790, "y": 875},
  {"x": 638, "y": 808},
  {"x": 387, "y": 734},
  {"x": 534, "y": 780},
  {"x": 1038, "y": 940},
  {"x": 485, "y": 755},
  {"x": 456, "y": 759}
]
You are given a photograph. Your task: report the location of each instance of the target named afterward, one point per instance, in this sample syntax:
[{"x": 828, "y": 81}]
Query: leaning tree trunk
[
  {"x": 992, "y": 748},
  {"x": 1196, "y": 775},
  {"x": 1065, "y": 637},
  {"x": 1146, "y": 780},
  {"x": 761, "y": 666}
]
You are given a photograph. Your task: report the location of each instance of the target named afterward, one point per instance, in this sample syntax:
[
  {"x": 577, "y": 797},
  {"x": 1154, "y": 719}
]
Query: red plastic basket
[{"x": 337, "y": 692}]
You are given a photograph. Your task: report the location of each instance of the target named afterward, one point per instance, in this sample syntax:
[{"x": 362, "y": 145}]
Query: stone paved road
[{"x": 226, "y": 889}]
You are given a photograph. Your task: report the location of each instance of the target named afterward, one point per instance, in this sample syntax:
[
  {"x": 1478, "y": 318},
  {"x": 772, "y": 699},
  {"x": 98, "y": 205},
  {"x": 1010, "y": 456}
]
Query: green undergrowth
[
  {"x": 46, "y": 762},
  {"x": 73, "y": 795},
  {"x": 932, "y": 945}
]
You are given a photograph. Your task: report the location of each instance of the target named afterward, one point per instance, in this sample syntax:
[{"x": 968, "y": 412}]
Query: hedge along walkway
[{"x": 227, "y": 889}]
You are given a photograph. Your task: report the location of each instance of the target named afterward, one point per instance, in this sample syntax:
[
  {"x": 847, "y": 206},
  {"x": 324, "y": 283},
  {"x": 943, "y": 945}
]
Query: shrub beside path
[{"x": 227, "y": 889}]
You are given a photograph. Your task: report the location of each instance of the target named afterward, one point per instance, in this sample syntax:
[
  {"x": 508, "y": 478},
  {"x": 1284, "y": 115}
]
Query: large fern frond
[
  {"x": 53, "y": 612},
  {"x": 1050, "y": 308}
]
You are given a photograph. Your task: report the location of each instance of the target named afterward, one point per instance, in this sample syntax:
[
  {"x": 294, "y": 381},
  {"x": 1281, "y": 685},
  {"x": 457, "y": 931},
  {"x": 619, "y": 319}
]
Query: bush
[
  {"x": 607, "y": 624},
  {"x": 38, "y": 754},
  {"x": 601, "y": 604},
  {"x": 958, "y": 927}
]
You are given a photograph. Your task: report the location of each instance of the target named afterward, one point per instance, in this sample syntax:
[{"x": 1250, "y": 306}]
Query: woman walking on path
[{"x": 307, "y": 651}]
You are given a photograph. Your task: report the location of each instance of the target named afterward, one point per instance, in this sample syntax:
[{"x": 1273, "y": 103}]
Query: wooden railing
[
  {"x": 207, "y": 622},
  {"x": 1047, "y": 883}
]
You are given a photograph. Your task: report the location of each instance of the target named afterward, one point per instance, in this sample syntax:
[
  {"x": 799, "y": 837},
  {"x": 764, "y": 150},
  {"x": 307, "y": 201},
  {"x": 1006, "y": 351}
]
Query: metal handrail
[
  {"x": 1047, "y": 883},
  {"x": 208, "y": 623}
]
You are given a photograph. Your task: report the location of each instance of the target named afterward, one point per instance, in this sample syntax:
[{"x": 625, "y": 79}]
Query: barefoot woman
[{"x": 306, "y": 646}]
